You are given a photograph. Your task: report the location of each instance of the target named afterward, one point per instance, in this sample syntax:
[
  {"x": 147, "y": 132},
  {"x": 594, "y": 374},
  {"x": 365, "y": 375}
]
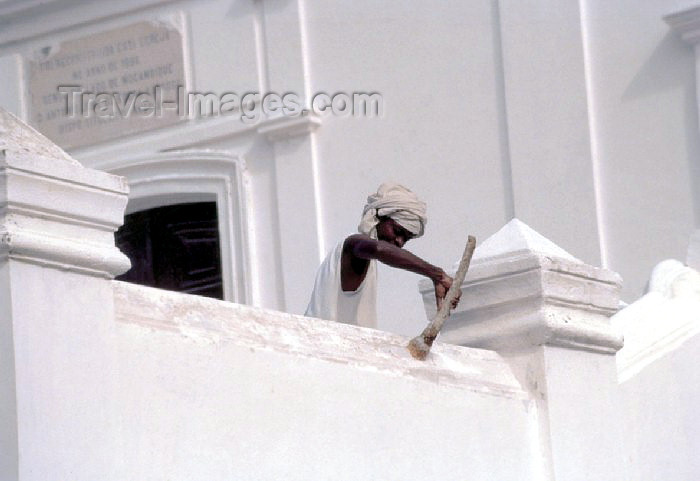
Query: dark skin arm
[{"x": 359, "y": 249}]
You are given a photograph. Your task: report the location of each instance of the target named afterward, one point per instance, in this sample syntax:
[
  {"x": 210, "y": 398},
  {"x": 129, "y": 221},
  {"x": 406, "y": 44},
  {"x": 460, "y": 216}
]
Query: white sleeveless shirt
[{"x": 329, "y": 301}]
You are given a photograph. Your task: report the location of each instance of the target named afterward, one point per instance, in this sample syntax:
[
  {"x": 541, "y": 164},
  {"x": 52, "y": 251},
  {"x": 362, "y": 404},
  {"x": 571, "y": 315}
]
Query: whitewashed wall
[
  {"x": 577, "y": 117},
  {"x": 209, "y": 390},
  {"x": 659, "y": 380},
  {"x": 112, "y": 381},
  {"x": 159, "y": 385},
  {"x": 644, "y": 114}
]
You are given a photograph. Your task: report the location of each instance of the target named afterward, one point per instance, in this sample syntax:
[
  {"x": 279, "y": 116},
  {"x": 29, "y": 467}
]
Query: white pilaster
[
  {"x": 548, "y": 313},
  {"x": 57, "y": 256},
  {"x": 297, "y": 212},
  {"x": 549, "y": 123},
  {"x": 296, "y": 172}
]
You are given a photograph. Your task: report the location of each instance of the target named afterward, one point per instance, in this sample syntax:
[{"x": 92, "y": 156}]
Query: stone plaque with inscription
[{"x": 113, "y": 83}]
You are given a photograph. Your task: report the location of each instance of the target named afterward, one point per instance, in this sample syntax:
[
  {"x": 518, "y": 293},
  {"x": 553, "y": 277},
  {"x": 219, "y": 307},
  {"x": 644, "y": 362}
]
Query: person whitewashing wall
[{"x": 346, "y": 282}]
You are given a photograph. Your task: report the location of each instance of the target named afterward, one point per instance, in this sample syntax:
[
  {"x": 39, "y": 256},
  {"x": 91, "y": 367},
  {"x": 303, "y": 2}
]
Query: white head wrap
[{"x": 398, "y": 203}]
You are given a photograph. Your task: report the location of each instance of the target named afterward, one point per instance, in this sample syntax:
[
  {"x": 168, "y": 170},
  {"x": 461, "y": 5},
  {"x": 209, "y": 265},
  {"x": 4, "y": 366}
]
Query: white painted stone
[
  {"x": 57, "y": 254},
  {"x": 642, "y": 135},
  {"x": 516, "y": 237},
  {"x": 9, "y": 447},
  {"x": 19, "y": 139},
  {"x": 284, "y": 128},
  {"x": 658, "y": 375},
  {"x": 547, "y": 112},
  {"x": 577, "y": 395},
  {"x": 660, "y": 321},
  {"x": 547, "y": 313},
  {"x": 241, "y": 392},
  {"x": 133, "y": 374},
  {"x": 673, "y": 279},
  {"x": 48, "y": 206},
  {"x": 523, "y": 291}
]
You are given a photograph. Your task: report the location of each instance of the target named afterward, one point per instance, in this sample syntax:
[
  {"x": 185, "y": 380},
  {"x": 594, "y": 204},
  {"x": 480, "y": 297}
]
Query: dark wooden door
[{"x": 175, "y": 247}]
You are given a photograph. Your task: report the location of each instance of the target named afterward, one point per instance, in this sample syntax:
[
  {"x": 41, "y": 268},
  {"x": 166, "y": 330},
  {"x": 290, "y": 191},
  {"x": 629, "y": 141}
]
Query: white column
[
  {"x": 57, "y": 256},
  {"x": 547, "y": 114},
  {"x": 298, "y": 207},
  {"x": 548, "y": 313}
]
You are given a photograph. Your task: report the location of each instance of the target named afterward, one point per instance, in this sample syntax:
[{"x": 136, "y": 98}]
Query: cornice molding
[
  {"x": 686, "y": 23},
  {"x": 193, "y": 135},
  {"x": 57, "y": 214},
  {"x": 284, "y": 128},
  {"x": 99, "y": 260}
]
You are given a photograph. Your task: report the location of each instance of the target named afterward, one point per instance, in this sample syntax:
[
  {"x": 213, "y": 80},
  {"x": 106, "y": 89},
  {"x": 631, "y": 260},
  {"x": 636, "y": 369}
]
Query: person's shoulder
[
  {"x": 359, "y": 245},
  {"x": 354, "y": 239}
]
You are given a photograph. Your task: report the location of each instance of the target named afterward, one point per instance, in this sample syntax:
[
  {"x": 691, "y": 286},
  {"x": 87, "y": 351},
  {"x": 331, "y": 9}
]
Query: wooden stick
[{"x": 419, "y": 347}]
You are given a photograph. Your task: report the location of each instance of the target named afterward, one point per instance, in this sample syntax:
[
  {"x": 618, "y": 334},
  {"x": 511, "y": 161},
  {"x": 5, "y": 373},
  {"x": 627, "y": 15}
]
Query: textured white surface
[
  {"x": 55, "y": 212},
  {"x": 209, "y": 321},
  {"x": 525, "y": 291},
  {"x": 213, "y": 390},
  {"x": 659, "y": 379},
  {"x": 662, "y": 320},
  {"x": 16, "y": 137},
  {"x": 548, "y": 314}
]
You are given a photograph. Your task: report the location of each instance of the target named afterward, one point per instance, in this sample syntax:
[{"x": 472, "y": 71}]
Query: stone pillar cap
[
  {"x": 53, "y": 211},
  {"x": 517, "y": 238},
  {"x": 522, "y": 290}
]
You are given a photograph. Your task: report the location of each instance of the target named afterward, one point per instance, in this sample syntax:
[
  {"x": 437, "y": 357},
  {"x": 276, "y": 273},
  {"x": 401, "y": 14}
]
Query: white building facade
[
  {"x": 110, "y": 380},
  {"x": 564, "y": 135}
]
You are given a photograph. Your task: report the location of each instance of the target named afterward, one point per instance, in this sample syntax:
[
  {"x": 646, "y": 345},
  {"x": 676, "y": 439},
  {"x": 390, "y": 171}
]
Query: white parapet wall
[
  {"x": 179, "y": 387},
  {"x": 216, "y": 391},
  {"x": 659, "y": 376}
]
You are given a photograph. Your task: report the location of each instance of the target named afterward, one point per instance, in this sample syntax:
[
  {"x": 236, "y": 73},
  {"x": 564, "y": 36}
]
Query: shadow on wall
[{"x": 671, "y": 66}]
